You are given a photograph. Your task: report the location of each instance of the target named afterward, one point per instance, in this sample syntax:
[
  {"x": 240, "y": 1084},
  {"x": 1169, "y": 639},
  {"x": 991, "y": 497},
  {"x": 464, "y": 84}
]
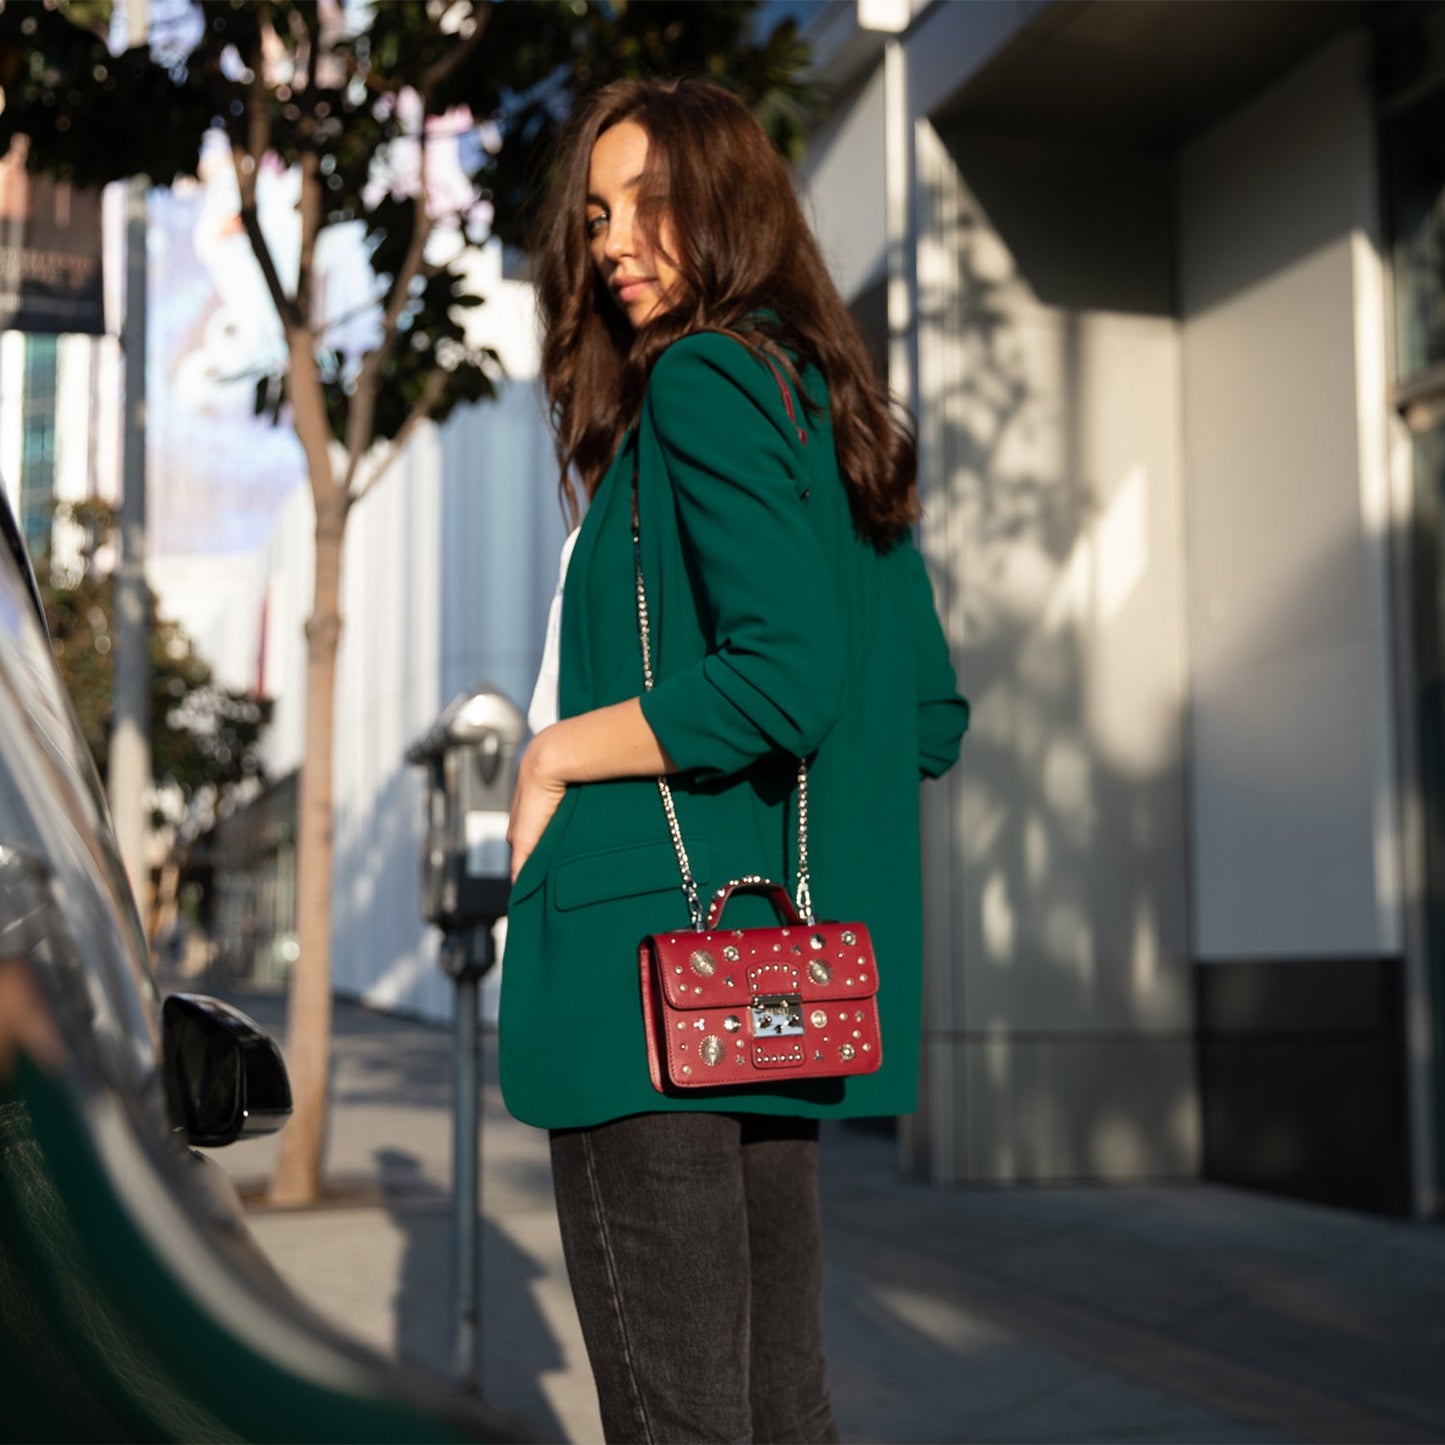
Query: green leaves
[
  {"x": 93, "y": 117},
  {"x": 288, "y": 80},
  {"x": 560, "y": 49}
]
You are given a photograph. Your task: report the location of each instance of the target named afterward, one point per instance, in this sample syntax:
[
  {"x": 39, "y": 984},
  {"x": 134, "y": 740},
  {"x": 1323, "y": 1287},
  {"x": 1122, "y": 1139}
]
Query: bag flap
[{"x": 727, "y": 968}]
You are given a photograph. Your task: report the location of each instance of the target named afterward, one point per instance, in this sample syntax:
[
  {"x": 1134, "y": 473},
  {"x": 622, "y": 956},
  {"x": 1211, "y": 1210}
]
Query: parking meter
[{"x": 470, "y": 755}]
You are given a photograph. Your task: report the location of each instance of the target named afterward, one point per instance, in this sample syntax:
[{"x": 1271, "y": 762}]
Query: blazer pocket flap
[
  {"x": 534, "y": 870},
  {"x": 626, "y": 872}
]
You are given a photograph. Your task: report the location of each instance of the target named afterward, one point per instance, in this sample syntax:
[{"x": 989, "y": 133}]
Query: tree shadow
[{"x": 1053, "y": 533}]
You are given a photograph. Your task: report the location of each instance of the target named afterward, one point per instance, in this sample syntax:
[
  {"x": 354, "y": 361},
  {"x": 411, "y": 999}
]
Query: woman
[{"x": 682, "y": 295}]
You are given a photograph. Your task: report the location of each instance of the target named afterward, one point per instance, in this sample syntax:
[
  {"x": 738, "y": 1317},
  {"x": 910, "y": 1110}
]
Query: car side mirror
[{"x": 225, "y": 1078}]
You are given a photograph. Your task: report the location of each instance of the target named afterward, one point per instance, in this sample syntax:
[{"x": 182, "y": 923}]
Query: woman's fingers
[{"x": 534, "y": 801}]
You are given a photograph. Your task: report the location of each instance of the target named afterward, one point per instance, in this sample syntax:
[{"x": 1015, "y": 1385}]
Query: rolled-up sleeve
[{"x": 772, "y": 679}]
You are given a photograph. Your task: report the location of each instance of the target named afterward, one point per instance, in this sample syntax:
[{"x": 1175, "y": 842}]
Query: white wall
[
  {"x": 450, "y": 565},
  {"x": 1058, "y": 1042},
  {"x": 842, "y": 188},
  {"x": 1283, "y": 367}
]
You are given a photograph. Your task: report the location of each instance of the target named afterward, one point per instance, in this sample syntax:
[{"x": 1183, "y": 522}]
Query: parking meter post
[
  {"x": 466, "y": 1184},
  {"x": 470, "y": 756}
]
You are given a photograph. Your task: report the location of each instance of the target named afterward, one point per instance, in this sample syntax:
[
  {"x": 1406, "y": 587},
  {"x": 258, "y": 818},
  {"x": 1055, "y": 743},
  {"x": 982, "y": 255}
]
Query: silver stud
[
  {"x": 698, "y": 1024},
  {"x": 732, "y": 1023},
  {"x": 738, "y": 1059},
  {"x": 846, "y": 1052},
  {"x": 818, "y": 1018},
  {"x": 817, "y": 941},
  {"x": 849, "y": 937},
  {"x": 704, "y": 965},
  {"x": 818, "y": 1057},
  {"x": 712, "y": 1050},
  {"x": 678, "y": 969},
  {"x": 777, "y": 948},
  {"x": 848, "y": 981},
  {"x": 731, "y": 954},
  {"x": 680, "y": 1024},
  {"x": 867, "y": 1048},
  {"x": 728, "y": 981},
  {"x": 687, "y": 1068},
  {"x": 857, "y": 1033},
  {"x": 819, "y": 971}
]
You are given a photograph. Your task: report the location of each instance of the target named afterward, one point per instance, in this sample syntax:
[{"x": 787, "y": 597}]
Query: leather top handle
[{"x": 776, "y": 894}]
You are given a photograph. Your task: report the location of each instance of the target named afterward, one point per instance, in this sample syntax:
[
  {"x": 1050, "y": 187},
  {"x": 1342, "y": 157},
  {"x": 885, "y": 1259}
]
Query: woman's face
[{"x": 640, "y": 280}]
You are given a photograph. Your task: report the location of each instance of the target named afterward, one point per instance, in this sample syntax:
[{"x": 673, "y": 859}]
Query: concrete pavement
[{"x": 1170, "y": 1313}]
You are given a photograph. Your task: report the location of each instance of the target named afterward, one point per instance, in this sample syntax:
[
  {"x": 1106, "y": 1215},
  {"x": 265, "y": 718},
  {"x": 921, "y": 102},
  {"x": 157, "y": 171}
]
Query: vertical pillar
[
  {"x": 130, "y": 760},
  {"x": 932, "y": 1141}
]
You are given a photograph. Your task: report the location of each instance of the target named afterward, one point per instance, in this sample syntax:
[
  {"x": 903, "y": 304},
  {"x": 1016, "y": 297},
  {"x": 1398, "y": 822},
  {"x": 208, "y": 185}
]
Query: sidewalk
[{"x": 1169, "y": 1314}]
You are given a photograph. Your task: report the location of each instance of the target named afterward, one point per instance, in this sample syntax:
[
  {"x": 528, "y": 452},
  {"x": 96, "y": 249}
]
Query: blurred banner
[
  {"x": 219, "y": 472},
  {"x": 50, "y": 277}
]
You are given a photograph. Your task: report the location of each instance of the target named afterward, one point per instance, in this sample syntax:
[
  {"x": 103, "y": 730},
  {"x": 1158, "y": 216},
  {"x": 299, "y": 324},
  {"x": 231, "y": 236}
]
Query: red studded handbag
[{"x": 727, "y": 1007}]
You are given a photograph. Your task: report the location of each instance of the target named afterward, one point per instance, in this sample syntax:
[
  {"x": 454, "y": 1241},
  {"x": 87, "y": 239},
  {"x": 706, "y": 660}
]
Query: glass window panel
[{"x": 1415, "y": 190}]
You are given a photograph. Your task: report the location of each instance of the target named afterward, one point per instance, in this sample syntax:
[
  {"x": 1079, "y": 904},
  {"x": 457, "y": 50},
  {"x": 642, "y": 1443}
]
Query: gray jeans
[{"x": 692, "y": 1243}]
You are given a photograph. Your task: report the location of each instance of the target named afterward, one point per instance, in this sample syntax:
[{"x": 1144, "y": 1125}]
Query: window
[{"x": 37, "y": 441}]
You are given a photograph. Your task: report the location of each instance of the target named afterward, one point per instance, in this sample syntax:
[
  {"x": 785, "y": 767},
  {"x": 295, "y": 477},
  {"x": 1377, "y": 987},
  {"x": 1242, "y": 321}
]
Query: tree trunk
[{"x": 297, "y": 1177}]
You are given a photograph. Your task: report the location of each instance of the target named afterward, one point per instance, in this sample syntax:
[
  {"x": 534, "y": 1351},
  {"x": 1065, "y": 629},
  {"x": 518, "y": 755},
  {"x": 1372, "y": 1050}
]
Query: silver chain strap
[{"x": 804, "y": 893}]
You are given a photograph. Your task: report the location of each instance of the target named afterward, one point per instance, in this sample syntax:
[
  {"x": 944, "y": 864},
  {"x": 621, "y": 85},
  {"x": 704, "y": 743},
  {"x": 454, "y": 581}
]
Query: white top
[{"x": 542, "y": 712}]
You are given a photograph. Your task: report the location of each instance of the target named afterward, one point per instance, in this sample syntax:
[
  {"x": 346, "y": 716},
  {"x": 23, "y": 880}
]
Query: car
[{"x": 134, "y": 1304}]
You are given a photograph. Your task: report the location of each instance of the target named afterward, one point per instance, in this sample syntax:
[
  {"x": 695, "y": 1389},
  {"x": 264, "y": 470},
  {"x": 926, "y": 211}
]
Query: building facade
[
  {"x": 1163, "y": 286},
  {"x": 59, "y": 425}
]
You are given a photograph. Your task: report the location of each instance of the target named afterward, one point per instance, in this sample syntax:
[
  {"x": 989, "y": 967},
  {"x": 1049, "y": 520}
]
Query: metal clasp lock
[{"x": 777, "y": 1015}]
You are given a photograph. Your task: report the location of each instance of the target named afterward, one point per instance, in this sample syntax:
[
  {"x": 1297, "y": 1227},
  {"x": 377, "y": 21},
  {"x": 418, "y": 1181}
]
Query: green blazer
[{"x": 776, "y": 633}]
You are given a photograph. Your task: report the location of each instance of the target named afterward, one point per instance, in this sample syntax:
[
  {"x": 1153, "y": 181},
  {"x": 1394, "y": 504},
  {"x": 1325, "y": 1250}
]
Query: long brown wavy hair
[{"x": 747, "y": 263}]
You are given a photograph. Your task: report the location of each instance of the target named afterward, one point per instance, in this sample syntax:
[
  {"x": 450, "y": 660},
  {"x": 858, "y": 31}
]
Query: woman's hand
[
  {"x": 536, "y": 797},
  {"x": 609, "y": 742}
]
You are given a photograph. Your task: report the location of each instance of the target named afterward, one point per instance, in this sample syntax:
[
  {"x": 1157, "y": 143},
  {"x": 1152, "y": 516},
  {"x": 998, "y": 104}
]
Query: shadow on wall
[
  {"x": 1053, "y": 429},
  {"x": 1066, "y": 285}
]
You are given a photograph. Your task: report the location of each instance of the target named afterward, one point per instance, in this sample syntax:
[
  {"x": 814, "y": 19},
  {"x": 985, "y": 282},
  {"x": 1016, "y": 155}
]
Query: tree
[
  {"x": 343, "y": 95},
  {"x": 205, "y": 738}
]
